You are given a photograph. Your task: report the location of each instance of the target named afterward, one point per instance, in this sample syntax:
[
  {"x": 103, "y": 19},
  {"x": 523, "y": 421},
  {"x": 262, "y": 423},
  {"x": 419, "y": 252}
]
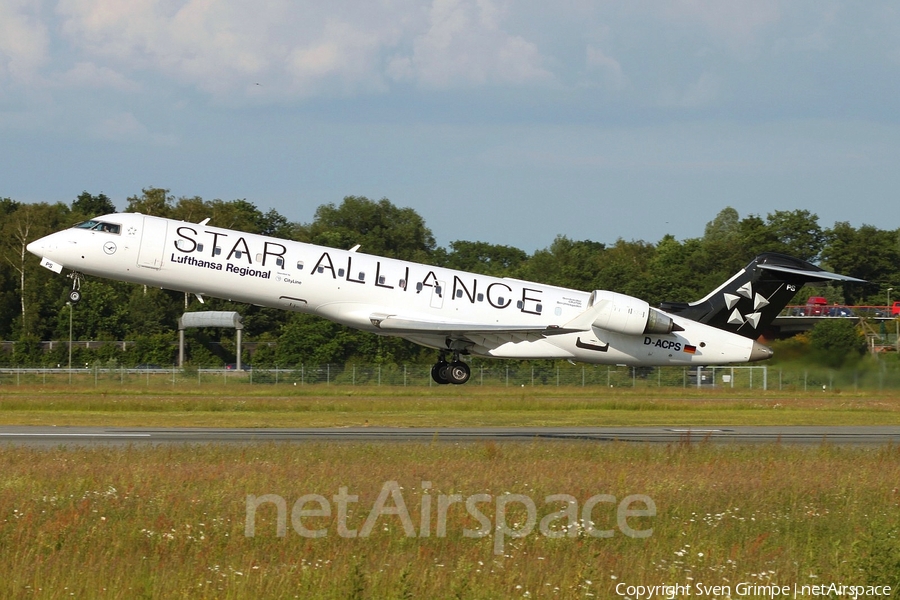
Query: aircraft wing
[{"x": 401, "y": 325}]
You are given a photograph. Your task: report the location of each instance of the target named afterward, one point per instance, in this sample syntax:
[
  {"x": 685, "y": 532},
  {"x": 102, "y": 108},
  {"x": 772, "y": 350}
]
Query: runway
[{"x": 92, "y": 436}]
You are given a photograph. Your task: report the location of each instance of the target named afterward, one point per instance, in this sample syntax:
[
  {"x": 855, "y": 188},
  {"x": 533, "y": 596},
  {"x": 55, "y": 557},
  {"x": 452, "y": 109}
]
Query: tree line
[{"x": 33, "y": 300}]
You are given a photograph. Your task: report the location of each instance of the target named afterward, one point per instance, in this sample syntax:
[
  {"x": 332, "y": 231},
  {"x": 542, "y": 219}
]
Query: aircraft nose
[
  {"x": 760, "y": 352},
  {"x": 43, "y": 246}
]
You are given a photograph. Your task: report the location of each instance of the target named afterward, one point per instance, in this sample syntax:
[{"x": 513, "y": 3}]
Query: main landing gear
[
  {"x": 75, "y": 294},
  {"x": 456, "y": 371}
]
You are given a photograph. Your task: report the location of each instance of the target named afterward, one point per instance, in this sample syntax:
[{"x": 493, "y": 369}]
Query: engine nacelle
[{"x": 628, "y": 315}]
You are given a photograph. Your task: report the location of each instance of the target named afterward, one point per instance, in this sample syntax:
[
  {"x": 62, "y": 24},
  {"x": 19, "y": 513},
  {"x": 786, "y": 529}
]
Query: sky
[{"x": 503, "y": 121}]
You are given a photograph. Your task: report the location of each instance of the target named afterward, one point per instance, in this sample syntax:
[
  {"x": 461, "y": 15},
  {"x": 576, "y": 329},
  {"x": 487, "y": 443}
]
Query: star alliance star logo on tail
[{"x": 731, "y": 301}]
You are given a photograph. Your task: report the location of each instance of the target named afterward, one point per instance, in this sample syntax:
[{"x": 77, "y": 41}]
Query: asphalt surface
[{"x": 90, "y": 436}]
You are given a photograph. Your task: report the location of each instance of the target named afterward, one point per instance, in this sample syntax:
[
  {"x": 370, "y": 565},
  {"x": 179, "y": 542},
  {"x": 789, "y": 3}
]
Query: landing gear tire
[
  {"x": 440, "y": 372},
  {"x": 74, "y": 296},
  {"x": 458, "y": 372}
]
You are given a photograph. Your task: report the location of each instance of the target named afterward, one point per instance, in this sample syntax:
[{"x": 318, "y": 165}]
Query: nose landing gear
[
  {"x": 456, "y": 372},
  {"x": 75, "y": 294}
]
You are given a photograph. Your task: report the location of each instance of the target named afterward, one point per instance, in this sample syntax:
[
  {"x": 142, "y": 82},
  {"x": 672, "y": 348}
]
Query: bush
[{"x": 837, "y": 342}]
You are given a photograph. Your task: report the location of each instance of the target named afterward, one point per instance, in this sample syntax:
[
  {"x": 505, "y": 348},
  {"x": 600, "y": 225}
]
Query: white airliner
[{"x": 457, "y": 313}]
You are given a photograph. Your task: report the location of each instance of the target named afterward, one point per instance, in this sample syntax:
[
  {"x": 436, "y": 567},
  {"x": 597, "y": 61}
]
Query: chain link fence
[{"x": 495, "y": 374}]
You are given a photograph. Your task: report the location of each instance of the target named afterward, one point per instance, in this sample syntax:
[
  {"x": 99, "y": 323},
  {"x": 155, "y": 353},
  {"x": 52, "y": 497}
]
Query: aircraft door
[
  {"x": 153, "y": 240},
  {"x": 437, "y": 294}
]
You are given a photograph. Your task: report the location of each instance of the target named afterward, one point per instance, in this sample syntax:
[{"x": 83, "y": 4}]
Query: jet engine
[{"x": 628, "y": 315}]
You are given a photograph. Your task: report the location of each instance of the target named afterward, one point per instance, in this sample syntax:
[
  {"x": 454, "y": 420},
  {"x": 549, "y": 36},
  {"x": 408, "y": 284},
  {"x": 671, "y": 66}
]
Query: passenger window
[
  {"x": 539, "y": 308},
  {"x": 199, "y": 247},
  {"x": 340, "y": 272},
  {"x": 217, "y": 251},
  {"x": 362, "y": 276},
  {"x": 238, "y": 254},
  {"x": 480, "y": 297},
  {"x": 279, "y": 262},
  {"x": 519, "y": 305},
  {"x": 299, "y": 265}
]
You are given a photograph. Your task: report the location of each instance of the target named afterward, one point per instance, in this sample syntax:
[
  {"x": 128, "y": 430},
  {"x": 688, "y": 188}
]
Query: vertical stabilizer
[{"x": 747, "y": 303}]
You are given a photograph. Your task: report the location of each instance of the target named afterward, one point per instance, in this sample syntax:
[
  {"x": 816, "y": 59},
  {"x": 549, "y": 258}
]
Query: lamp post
[
  {"x": 69, "y": 304},
  {"x": 71, "y": 308},
  {"x": 896, "y": 321}
]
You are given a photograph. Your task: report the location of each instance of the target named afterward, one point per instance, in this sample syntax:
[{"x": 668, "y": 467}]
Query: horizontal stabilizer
[{"x": 817, "y": 275}]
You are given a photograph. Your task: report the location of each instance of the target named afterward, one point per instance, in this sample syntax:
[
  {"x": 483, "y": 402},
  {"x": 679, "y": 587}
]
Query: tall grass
[
  {"x": 287, "y": 406},
  {"x": 169, "y": 521}
]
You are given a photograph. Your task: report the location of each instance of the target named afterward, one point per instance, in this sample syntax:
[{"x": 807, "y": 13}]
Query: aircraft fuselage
[{"x": 436, "y": 307}]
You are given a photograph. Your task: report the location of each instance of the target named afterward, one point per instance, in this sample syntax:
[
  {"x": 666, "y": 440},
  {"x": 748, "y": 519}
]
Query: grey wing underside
[{"x": 478, "y": 333}]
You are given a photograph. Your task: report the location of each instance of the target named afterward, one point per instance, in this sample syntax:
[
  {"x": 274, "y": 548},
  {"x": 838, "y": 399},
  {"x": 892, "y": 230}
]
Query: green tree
[
  {"x": 275, "y": 224},
  {"x": 307, "y": 339},
  {"x": 89, "y": 206},
  {"x": 566, "y": 263},
  {"x": 156, "y": 349},
  {"x": 101, "y": 315},
  {"x": 676, "y": 272},
  {"x": 152, "y": 201},
  {"x": 724, "y": 245},
  {"x": 20, "y": 227},
  {"x": 756, "y": 237},
  {"x": 8, "y": 206},
  {"x": 378, "y": 227},
  {"x": 9, "y": 294},
  {"x": 624, "y": 268},
  {"x": 797, "y": 233},
  {"x": 236, "y": 214},
  {"x": 867, "y": 253},
  {"x": 191, "y": 210},
  {"x": 152, "y": 310},
  {"x": 837, "y": 341},
  {"x": 481, "y": 257}
]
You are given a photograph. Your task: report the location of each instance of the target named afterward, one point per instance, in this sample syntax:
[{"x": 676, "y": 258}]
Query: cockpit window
[{"x": 99, "y": 226}]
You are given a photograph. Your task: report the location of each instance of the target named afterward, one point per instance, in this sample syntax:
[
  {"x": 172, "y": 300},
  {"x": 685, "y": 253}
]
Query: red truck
[{"x": 816, "y": 306}]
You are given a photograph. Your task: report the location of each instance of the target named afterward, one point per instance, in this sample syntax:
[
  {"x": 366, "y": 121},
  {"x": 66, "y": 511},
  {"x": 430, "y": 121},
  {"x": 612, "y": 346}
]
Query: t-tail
[{"x": 747, "y": 303}]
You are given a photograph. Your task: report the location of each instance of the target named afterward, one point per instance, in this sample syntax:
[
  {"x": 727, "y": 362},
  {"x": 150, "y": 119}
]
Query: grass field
[
  {"x": 334, "y": 406},
  {"x": 172, "y": 521}
]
